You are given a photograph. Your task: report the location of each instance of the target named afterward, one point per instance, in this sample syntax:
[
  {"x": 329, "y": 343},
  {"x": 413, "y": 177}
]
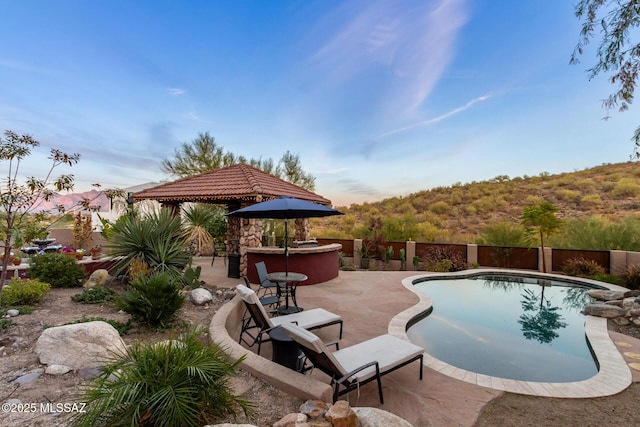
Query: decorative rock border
[{"x": 622, "y": 307}]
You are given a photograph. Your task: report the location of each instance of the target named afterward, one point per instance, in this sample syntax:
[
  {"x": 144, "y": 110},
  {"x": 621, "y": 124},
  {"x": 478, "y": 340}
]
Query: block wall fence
[{"x": 614, "y": 262}]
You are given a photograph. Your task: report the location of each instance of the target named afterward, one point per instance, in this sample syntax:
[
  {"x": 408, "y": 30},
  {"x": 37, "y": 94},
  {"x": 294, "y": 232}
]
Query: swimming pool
[
  {"x": 523, "y": 328},
  {"x": 612, "y": 376}
]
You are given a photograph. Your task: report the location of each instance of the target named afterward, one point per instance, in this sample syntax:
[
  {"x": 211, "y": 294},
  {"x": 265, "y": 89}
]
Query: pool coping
[{"x": 613, "y": 376}]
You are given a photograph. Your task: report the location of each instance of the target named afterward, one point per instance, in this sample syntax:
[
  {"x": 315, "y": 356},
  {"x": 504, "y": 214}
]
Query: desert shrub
[
  {"x": 440, "y": 207},
  {"x": 581, "y": 267},
  {"x": 534, "y": 200},
  {"x": 631, "y": 277},
  {"x": 121, "y": 327},
  {"x": 597, "y": 233},
  {"x": 626, "y": 187},
  {"x": 592, "y": 199},
  {"x": 173, "y": 383},
  {"x": 27, "y": 292},
  {"x": 431, "y": 233},
  {"x": 608, "y": 278},
  {"x": 96, "y": 295},
  {"x": 502, "y": 234},
  {"x": 21, "y": 310},
  {"x": 443, "y": 259},
  {"x": 154, "y": 299},
  {"x": 566, "y": 194},
  {"x": 5, "y": 324},
  {"x": 60, "y": 271}
]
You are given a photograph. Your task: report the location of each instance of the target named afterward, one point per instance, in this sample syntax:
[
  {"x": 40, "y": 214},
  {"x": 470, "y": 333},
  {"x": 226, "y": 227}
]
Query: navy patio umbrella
[{"x": 286, "y": 208}]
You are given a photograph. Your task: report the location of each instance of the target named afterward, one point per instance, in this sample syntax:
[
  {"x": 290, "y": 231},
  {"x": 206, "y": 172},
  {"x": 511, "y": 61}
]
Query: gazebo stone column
[
  {"x": 250, "y": 237},
  {"x": 302, "y": 229}
]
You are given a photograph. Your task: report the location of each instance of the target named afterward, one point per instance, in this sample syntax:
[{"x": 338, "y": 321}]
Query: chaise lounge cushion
[
  {"x": 387, "y": 350},
  {"x": 308, "y": 319}
]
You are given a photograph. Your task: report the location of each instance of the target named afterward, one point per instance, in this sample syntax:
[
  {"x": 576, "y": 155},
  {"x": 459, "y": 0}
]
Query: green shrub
[
  {"x": 626, "y": 187},
  {"x": 608, "y": 278},
  {"x": 631, "y": 277},
  {"x": 27, "y": 292},
  {"x": 440, "y": 207},
  {"x": 96, "y": 295},
  {"x": 60, "y": 271},
  {"x": 592, "y": 199},
  {"x": 580, "y": 267},
  {"x": 174, "y": 383},
  {"x": 21, "y": 310},
  {"x": 503, "y": 234},
  {"x": 153, "y": 300},
  {"x": 566, "y": 194},
  {"x": 5, "y": 324}
]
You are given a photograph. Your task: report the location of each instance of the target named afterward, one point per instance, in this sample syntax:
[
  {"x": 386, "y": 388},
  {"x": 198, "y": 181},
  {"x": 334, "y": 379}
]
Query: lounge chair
[
  {"x": 315, "y": 318},
  {"x": 358, "y": 364},
  {"x": 269, "y": 302}
]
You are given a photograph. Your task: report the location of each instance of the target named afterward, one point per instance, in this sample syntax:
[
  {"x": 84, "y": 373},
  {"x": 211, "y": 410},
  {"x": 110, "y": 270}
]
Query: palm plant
[
  {"x": 155, "y": 239},
  {"x": 201, "y": 223},
  {"x": 153, "y": 299},
  {"x": 540, "y": 220},
  {"x": 173, "y": 383}
]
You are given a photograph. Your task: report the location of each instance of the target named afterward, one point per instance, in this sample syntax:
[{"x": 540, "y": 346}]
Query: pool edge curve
[{"x": 613, "y": 376}]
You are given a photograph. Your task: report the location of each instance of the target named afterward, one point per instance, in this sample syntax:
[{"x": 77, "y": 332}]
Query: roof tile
[{"x": 239, "y": 182}]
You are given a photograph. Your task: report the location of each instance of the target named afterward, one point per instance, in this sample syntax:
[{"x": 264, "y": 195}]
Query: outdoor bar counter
[{"x": 319, "y": 263}]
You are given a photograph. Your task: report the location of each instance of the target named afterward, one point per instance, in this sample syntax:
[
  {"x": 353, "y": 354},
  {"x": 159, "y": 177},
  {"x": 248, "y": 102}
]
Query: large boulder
[
  {"x": 97, "y": 278},
  {"x": 81, "y": 345},
  {"x": 605, "y": 295},
  {"x": 374, "y": 417},
  {"x": 604, "y": 310},
  {"x": 201, "y": 296}
]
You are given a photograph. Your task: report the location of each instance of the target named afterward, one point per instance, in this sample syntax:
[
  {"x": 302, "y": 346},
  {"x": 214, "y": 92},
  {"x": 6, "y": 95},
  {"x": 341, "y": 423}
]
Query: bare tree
[{"x": 18, "y": 199}]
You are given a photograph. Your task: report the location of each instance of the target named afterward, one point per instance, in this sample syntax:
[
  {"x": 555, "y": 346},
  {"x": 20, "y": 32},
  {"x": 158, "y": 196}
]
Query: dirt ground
[{"x": 18, "y": 358}]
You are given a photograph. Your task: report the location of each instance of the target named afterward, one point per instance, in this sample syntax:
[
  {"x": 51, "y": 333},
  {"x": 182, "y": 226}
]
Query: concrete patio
[{"x": 367, "y": 302}]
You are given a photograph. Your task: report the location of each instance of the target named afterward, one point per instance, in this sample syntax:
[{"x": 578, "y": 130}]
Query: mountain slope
[{"x": 459, "y": 212}]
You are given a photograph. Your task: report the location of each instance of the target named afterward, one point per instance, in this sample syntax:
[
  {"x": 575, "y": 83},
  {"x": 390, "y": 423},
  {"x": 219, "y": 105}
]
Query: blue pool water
[{"x": 522, "y": 328}]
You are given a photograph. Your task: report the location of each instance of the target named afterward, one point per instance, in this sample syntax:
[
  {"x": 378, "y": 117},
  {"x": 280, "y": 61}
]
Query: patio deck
[{"x": 368, "y": 301}]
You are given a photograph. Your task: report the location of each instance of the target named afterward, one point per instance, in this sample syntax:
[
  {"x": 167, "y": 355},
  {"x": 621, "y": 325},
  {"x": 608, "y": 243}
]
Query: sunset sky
[{"x": 379, "y": 98}]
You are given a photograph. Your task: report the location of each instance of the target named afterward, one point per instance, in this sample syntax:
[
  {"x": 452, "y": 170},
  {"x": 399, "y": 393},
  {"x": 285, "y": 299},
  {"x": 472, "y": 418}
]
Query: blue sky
[{"x": 379, "y": 98}]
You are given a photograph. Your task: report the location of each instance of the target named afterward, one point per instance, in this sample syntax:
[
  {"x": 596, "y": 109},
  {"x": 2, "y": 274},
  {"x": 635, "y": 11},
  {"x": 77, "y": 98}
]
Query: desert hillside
[{"x": 459, "y": 212}]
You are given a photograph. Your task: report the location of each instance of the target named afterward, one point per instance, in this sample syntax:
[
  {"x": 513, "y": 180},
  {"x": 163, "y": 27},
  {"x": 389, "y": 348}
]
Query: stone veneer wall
[
  {"x": 301, "y": 229},
  {"x": 250, "y": 237}
]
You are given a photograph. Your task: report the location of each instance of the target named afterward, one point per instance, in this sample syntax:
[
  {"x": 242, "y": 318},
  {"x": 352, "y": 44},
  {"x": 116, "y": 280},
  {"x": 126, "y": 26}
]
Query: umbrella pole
[{"x": 286, "y": 260}]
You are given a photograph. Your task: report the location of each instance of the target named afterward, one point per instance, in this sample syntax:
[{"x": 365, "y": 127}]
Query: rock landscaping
[{"x": 623, "y": 308}]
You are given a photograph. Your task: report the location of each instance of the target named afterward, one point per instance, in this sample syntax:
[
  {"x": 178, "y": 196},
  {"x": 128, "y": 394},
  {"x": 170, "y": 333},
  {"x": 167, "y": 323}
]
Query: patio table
[{"x": 291, "y": 280}]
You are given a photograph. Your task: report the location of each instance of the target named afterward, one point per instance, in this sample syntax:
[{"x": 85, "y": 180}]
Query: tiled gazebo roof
[{"x": 242, "y": 183}]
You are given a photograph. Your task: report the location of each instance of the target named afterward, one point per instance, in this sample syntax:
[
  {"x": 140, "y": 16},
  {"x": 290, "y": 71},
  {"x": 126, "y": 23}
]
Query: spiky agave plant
[
  {"x": 155, "y": 239},
  {"x": 173, "y": 383}
]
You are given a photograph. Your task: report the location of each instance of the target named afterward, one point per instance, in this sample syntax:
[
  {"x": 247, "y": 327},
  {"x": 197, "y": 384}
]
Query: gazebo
[{"x": 235, "y": 186}]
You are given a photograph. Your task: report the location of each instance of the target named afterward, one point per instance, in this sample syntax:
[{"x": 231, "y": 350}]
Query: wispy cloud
[
  {"x": 176, "y": 91},
  {"x": 329, "y": 171},
  {"x": 20, "y": 66},
  {"x": 437, "y": 119},
  {"x": 409, "y": 43}
]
